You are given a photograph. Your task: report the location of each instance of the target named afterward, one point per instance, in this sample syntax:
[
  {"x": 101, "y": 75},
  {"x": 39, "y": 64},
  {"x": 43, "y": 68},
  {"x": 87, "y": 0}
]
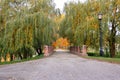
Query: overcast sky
[{"x": 60, "y": 3}]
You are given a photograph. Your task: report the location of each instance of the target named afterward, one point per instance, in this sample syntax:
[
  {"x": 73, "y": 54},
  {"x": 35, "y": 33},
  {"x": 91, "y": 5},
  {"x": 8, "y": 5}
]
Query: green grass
[
  {"x": 105, "y": 59},
  {"x": 18, "y": 61}
]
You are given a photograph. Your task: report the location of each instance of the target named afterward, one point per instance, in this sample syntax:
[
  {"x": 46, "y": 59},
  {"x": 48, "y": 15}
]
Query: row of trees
[
  {"x": 25, "y": 26},
  {"x": 81, "y": 25}
]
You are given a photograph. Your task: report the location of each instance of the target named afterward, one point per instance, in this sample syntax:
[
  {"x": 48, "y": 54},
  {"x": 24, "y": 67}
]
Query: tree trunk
[
  {"x": 112, "y": 49},
  {"x": 25, "y": 55},
  {"x": 11, "y": 57},
  {"x": 39, "y": 51},
  {"x": 112, "y": 41},
  {"x": 20, "y": 56}
]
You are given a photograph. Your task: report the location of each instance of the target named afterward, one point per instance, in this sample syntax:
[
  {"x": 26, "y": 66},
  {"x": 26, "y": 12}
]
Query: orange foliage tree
[{"x": 61, "y": 43}]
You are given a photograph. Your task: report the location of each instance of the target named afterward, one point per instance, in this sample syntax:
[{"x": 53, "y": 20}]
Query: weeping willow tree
[
  {"x": 26, "y": 25},
  {"x": 81, "y": 24}
]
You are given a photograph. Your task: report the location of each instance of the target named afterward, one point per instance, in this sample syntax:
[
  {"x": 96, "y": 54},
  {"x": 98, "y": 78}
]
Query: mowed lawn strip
[
  {"x": 110, "y": 60},
  {"x": 18, "y": 61}
]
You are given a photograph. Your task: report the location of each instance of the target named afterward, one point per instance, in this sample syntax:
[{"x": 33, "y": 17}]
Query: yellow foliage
[
  {"x": 118, "y": 2},
  {"x": 2, "y": 59},
  {"x": 58, "y": 19},
  {"x": 8, "y": 57},
  {"x": 96, "y": 26},
  {"x": 89, "y": 18},
  {"x": 61, "y": 42}
]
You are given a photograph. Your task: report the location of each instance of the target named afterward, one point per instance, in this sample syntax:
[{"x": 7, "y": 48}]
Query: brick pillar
[
  {"x": 50, "y": 48},
  {"x": 71, "y": 48},
  {"x": 75, "y": 49},
  {"x": 78, "y": 49},
  {"x": 84, "y": 50},
  {"x": 46, "y": 50}
]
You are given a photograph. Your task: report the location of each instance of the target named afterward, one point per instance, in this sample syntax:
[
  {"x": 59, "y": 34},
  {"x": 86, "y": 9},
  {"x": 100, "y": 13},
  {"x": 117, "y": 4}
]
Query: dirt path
[{"x": 61, "y": 66}]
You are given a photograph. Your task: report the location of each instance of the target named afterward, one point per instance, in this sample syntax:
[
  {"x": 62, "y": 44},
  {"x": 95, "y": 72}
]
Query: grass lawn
[
  {"x": 106, "y": 59},
  {"x": 18, "y": 61}
]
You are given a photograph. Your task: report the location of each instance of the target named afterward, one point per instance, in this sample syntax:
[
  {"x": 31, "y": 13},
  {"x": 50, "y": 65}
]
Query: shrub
[{"x": 92, "y": 54}]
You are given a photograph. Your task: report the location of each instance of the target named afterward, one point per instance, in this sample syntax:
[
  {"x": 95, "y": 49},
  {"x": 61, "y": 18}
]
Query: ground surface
[{"x": 61, "y": 66}]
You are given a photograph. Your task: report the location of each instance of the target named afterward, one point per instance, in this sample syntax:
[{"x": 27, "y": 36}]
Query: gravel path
[{"x": 61, "y": 66}]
